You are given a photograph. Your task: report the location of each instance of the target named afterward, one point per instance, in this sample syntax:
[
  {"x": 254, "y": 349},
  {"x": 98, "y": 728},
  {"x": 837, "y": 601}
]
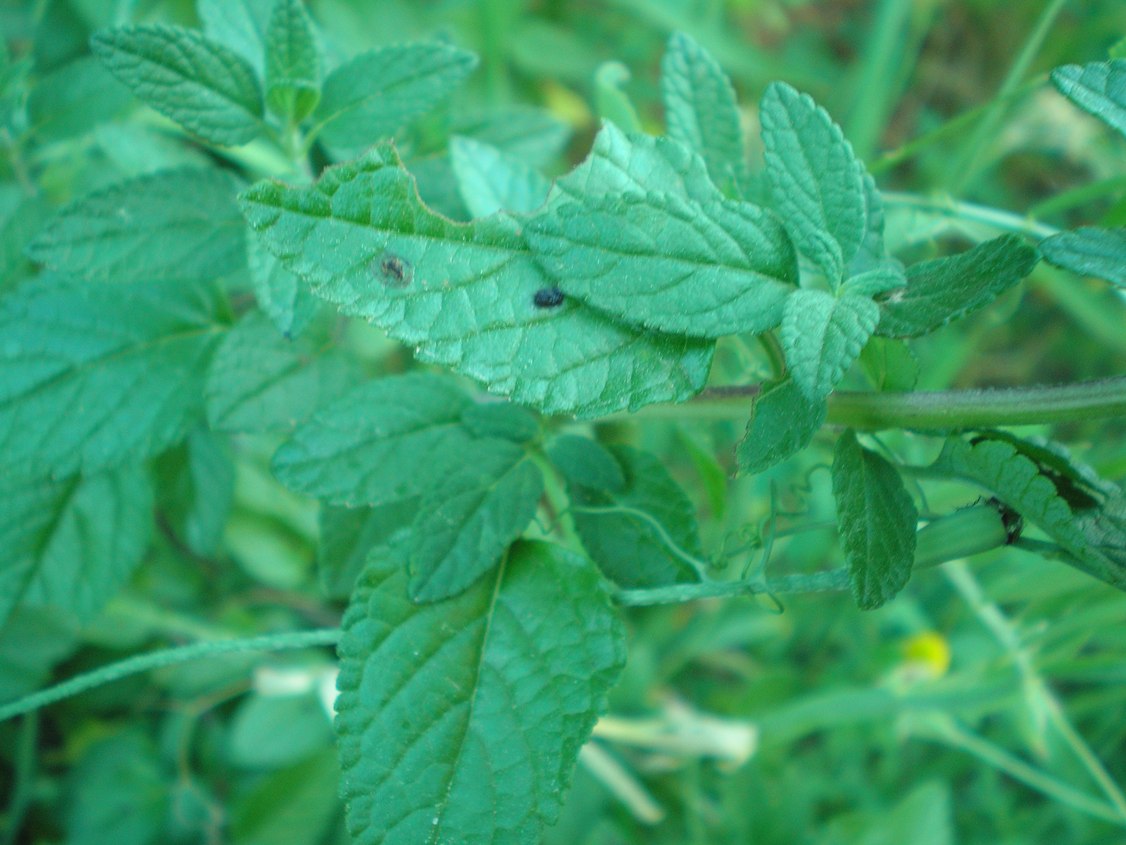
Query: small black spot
[
  {"x": 548, "y": 298},
  {"x": 395, "y": 272}
]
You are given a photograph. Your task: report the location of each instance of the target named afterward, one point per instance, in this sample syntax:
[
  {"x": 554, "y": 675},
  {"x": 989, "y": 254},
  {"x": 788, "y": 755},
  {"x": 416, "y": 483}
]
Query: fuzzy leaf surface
[
  {"x": 783, "y": 422},
  {"x": 208, "y": 89},
  {"x": 877, "y": 521},
  {"x": 72, "y": 544},
  {"x": 463, "y": 294},
  {"x": 816, "y": 181},
  {"x": 822, "y": 335},
  {"x": 95, "y": 376},
  {"x": 1098, "y": 88},
  {"x": 638, "y": 534},
  {"x": 946, "y": 289},
  {"x": 700, "y": 108},
  {"x": 461, "y": 721},
  {"x": 175, "y": 224},
  {"x": 1089, "y": 252},
  {"x": 491, "y": 180},
  {"x": 293, "y": 62},
  {"x": 669, "y": 263},
  {"x": 379, "y": 92},
  {"x": 466, "y": 523}
]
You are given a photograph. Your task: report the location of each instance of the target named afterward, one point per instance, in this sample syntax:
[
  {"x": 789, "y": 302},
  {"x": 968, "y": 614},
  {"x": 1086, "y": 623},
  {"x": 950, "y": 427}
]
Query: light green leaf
[
  {"x": 272, "y": 728},
  {"x": 206, "y": 88},
  {"x": 534, "y": 136},
  {"x": 293, "y": 62},
  {"x": 491, "y": 180},
  {"x": 466, "y": 523},
  {"x": 379, "y": 92},
  {"x": 1089, "y": 252},
  {"x": 463, "y": 294},
  {"x": 816, "y": 182},
  {"x": 611, "y": 100},
  {"x": 947, "y": 289},
  {"x": 174, "y": 224},
  {"x": 72, "y": 544},
  {"x": 95, "y": 376},
  {"x": 890, "y": 364},
  {"x": 239, "y": 25},
  {"x": 645, "y": 534},
  {"x": 888, "y": 274},
  {"x": 670, "y": 264},
  {"x": 461, "y": 721},
  {"x": 1083, "y": 514},
  {"x": 822, "y": 335},
  {"x": 280, "y": 294},
  {"x": 877, "y": 521},
  {"x": 586, "y": 463},
  {"x": 380, "y": 443},
  {"x": 783, "y": 422},
  {"x": 196, "y": 488},
  {"x": 262, "y": 381},
  {"x": 700, "y": 108},
  {"x": 348, "y": 535},
  {"x": 1098, "y": 88}
]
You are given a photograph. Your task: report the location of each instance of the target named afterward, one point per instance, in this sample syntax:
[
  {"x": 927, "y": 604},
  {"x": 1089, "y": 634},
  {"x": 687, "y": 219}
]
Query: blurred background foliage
[{"x": 984, "y": 705}]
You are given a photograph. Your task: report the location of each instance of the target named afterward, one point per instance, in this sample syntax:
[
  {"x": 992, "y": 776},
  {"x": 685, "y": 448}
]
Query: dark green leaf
[
  {"x": 72, "y": 544},
  {"x": 206, "y": 88},
  {"x": 877, "y": 521},
  {"x": 175, "y": 224},
  {"x": 783, "y": 422},
  {"x": 348, "y": 535},
  {"x": 700, "y": 108},
  {"x": 500, "y": 419},
  {"x": 280, "y": 294},
  {"x": 1098, "y": 88},
  {"x": 262, "y": 381},
  {"x": 822, "y": 335},
  {"x": 645, "y": 534},
  {"x": 293, "y": 62},
  {"x": 586, "y": 463},
  {"x": 461, "y": 721},
  {"x": 95, "y": 376},
  {"x": 816, "y": 182},
  {"x": 379, "y": 92},
  {"x": 291, "y": 806},
  {"x": 465, "y": 295},
  {"x": 466, "y": 523},
  {"x": 947, "y": 289},
  {"x": 196, "y": 490},
  {"x": 1089, "y": 252}
]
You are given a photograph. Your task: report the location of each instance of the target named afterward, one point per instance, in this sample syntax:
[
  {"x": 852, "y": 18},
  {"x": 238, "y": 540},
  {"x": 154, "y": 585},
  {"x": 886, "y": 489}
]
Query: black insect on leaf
[
  {"x": 548, "y": 298},
  {"x": 395, "y": 272}
]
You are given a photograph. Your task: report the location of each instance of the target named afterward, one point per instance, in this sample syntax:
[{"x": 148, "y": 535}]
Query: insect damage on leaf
[
  {"x": 393, "y": 271},
  {"x": 548, "y": 298}
]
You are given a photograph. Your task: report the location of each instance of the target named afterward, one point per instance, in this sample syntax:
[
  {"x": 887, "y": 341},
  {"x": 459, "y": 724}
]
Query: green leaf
[
  {"x": 293, "y": 62},
  {"x": 534, "y": 136},
  {"x": 205, "y": 87},
  {"x": 644, "y": 534},
  {"x": 586, "y": 463},
  {"x": 466, "y": 523},
  {"x": 877, "y": 521},
  {"x": 1092, "y": 530},
  {"x": 175, "y": 224},
  {"x": 461, "y": 721},
  {"x": 947, "y": 289},
  {"x": 73, "y": 100},
  {"x": 21, "y": 218},
  {"x": 700, "y": 108},
  {"x": 783, "y": 422},
  {"x": 239, "y": 25},
  {"x": 196, "y": 490},
  {"x": 465, "y": 295},
  {"x": 379, "y": 92},
  {"x": 32, "y": 641},
  {"x": 274, "y": 728},
  {"x": 349, "y": 535},
  {"x": 491, "y": 180},
  {"x": 280, "y": 294},
  {"x": 96, "y": 376},
  {"x": 72, "y": 544},
  {"x": 890, "y": 364},
  {"x": 1098, "y": 88},
  {"x": 816, "y": 182},
  {"x": 670, "y": 264},
  {"x": 1089, "y": 252},
  {"x": 292, "y": 806},
  {"x": 262, "y": 381},
  {"x": 378, "y": 444},
  {"x": 611, "y": 100},
  {"x": 501, "y": 419},
  {"x": 822, "y": 335}
]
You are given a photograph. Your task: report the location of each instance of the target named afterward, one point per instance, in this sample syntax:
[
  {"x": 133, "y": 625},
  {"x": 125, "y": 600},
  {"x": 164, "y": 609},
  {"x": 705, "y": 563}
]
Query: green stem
[
  {"x": 961, "y": 534},
  {"x": 25, "y": 764},
  {"x": 166, "y": 657}
]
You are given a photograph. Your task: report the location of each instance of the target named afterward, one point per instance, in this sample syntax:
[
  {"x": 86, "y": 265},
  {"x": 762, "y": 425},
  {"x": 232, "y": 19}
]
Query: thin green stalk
[
  {"x": 25, "y": 764},
  {"x": 166, "y": 657},
  {"x": 1004, "y": 221},
  {"x": 966, "y": 165}
]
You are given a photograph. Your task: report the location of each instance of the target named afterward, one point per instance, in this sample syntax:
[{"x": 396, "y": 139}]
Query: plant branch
[{"x": 166, "y": 657}]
